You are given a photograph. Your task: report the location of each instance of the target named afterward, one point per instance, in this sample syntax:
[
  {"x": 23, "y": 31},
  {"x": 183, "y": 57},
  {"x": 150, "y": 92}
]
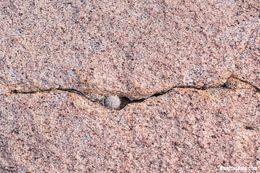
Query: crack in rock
[{"x": 231, "y": 83}]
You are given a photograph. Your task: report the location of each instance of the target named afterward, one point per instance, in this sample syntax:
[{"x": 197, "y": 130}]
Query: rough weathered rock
[
  {"x": 184, "y": 130},
  {"x": 129, "y": 48},
  {"x": 185, "y": 75}
]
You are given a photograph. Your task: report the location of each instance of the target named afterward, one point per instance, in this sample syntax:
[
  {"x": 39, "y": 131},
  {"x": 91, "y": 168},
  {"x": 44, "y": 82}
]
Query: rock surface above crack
[
  {"x": 185, "y": 130},
  {"x": 130, "y": 48}
]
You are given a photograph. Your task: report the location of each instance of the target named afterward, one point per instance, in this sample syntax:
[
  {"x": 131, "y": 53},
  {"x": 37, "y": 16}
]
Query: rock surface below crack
[{"x": 185, "y": 130}]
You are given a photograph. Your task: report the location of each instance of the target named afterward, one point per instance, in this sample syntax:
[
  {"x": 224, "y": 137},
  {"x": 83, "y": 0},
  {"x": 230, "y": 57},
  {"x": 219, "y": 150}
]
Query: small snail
[
  {"x": 112, "y": 102},
  {"x": 115, "y": 102}
]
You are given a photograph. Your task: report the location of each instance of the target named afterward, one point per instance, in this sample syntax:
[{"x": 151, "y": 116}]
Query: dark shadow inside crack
[
  {"x": 249, "y": 128},
  {"x": 125, "y": 101}
]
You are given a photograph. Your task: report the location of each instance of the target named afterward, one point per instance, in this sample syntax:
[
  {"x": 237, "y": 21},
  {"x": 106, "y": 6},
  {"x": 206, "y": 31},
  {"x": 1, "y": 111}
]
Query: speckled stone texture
[
  {"x": 187, "y": 72},
  {"x": 185, "y": 130},
  {"x": 130, "y": 48}
]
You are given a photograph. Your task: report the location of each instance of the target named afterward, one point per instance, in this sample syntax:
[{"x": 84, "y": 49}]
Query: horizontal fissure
[{"x": 124, "y": 100}]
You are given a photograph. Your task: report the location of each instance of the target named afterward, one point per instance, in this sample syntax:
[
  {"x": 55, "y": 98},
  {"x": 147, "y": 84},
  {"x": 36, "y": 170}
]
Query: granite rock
[
  {"x": 184, "y": 130},
  {"x": 184, "y": 78},
  {"x": 128, "y": 48}
]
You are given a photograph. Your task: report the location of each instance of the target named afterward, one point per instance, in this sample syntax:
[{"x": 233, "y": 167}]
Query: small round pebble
[{"x": 112, "y": 102}]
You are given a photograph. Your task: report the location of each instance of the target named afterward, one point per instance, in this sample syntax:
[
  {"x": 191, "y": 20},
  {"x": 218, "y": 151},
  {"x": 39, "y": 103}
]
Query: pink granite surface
[
  {"x": 132, "y": 48},
  {"x": 129, "y": 86},
  {"x": 185, "y": 130}
]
